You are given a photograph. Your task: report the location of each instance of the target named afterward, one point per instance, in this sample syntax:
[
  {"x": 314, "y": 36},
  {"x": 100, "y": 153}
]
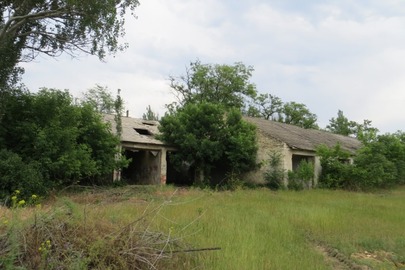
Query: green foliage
[
  {"x": 15, "y": 174},
  {"x": 336, "y": 170},
  {"x": 365, "y": 132},
  {"x": 267, "y": 106},
  {"x": 64, "y": 143},
  {"x": 275, "y": 174},
  {"x": 100, "y": 98},
  {"x": 227, "y": 85},
  {"x": 298, "y": 114},
  {"x": 341, "y": 125},
  {"x": 29, "y": 28},
  {"x": 294, "y": 181},
  {"x": 150, "y": 114},
  {"x": 206, "y": 135},
  {"x": 302, "y": 177},
  {"x": 379, "y": 163}
]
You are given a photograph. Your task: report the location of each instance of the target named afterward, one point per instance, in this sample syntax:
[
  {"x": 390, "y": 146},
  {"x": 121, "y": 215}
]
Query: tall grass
[
  {"x": 261, "y": 229},
  {"x": 254, "y": 229}
]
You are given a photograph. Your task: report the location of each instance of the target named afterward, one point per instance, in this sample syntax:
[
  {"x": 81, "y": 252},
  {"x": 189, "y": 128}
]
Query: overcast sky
[{"x": 327, "y": 54}]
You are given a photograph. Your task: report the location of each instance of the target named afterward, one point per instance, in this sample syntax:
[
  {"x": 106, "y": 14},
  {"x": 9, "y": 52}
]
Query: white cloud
[{"x": 329, "y": 55}]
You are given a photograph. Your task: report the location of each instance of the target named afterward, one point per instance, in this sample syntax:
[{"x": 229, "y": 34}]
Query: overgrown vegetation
[
  {"x": 278, "y": 178},
  {"x": 254, "y": 229},
  {"x": 49, "y": 141},
  {"x": 380, "y": 163},
  {"x": 68, "y": 235},
  {"x": 207, "y": 137},
  {"x": 275, "y": 174}
]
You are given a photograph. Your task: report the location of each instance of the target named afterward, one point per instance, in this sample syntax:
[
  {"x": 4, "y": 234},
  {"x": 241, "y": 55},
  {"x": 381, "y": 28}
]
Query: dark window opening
[
  {"x": 143, "y": 131},
  {"x": 297, "y": 159}
]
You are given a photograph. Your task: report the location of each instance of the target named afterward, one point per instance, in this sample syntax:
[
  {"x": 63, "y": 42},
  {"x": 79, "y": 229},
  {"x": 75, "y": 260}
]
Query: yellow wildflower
[
  {"x": 17, "y": 191},
  {"x": 22, "y": 202},
  {"x": 34, "y": 196},
  {"x": 14, "y": 198}
]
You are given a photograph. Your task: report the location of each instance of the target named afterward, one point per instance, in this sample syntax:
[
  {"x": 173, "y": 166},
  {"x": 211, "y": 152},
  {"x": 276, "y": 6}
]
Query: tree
[
  {"x": 52, "y": 27},
  {"x": 206, "y": 135},
  {"x": 365, "y": 132},
  {"x": 100, "y": 98},
  {"x": 63, "y": 141},
  {"x": 227, "y": 85},
  {"x": 379, "y": 163},
  {"x": 150, "y": 114},
  {"x": 341, "y": 125},
  {"x": 298, "y": 114},
  {"x": 266, "y": 106}
]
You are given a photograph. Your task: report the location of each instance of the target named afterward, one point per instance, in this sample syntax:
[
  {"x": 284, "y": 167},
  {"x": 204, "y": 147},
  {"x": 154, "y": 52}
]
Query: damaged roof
[
  {"x": 136, "y": 130},
  {"x": 303, "y": 139}
]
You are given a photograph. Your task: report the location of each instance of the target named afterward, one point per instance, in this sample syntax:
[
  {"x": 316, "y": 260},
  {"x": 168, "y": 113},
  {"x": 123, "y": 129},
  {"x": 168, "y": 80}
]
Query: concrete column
[
  {"x": 287, "y": 162},
  {"x": 163, "y": 166},
  {"x": 318, "y": 170}
]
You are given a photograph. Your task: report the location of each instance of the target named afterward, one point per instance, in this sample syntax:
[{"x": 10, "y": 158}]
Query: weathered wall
[{"x": 267, "y": 145}]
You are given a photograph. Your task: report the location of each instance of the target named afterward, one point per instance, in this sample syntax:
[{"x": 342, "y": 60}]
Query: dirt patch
[
  {"x": 381, "y": 258},
  {"x": 337, "y": 260}
]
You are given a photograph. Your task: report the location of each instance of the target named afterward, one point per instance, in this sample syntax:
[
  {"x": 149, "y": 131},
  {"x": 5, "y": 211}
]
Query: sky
[{"x": 331, "y": 55}]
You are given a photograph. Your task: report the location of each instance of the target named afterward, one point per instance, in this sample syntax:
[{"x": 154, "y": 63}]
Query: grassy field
[{"x": 254, "y": 229}]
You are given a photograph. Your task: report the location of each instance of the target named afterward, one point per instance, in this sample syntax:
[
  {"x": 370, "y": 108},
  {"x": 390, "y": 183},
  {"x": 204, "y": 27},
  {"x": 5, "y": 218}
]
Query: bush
[
  {"x": 275, "y": 174},
  {"x": 378, "y": 164},
  {"x": 18, "y": 175},
  {"x": 294, "y": 181},
  {"x": 303, "y": 177}
]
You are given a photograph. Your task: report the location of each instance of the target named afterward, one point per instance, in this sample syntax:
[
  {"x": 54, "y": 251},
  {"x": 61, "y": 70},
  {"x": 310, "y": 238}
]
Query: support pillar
[{"x": 163, "y": 166}]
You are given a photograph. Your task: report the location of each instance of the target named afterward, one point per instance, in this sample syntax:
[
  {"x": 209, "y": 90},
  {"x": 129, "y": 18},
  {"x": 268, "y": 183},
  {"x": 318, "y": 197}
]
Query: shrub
[
  {"x": 18, "y": 175},
  {"x": 302, "y": 177},
  {"x": 275, "y": 174}
]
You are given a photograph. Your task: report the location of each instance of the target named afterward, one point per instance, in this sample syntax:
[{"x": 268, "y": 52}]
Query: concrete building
[
  {"x": 294, "y": 144},
  {"x": 150, "y": 157},
  {"x": 149, "y": 162}
]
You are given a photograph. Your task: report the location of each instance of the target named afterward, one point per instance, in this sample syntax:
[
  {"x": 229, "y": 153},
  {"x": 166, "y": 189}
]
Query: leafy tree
[
  {"x": 341, "y": 125},
  {"x": 336, "y": 170},
  {"x": 266, "y": 106},
  {"x": 100, "y": 98},
  {"x": 227, "y": 85},
  {"x": 298, "y": 114},
  {"x": 150, "y": 114},
  {"x": 365, "y": 132},
  {"x": 206, "y": 135},
  {"x": 379, "y": 163},
  {"x": 51, "y": 27},
  {"x": 67, "y": 143}
]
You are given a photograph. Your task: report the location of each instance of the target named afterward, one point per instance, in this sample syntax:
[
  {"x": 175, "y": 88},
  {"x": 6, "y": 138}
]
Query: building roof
[
  {"x": 303, "y": 139},
  {"x": 136, "y": 130}
]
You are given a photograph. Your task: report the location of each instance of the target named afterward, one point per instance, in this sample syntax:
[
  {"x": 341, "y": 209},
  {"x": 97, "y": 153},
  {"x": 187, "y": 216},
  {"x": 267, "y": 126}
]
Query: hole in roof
[
  {"x": 143, "y": 131},
  {"x": 149, "y": 124}
]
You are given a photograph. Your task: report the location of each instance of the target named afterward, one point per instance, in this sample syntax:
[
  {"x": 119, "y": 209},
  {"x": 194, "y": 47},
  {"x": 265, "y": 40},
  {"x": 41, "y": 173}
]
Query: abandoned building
[
  {"x": 149, "y": 156},
  {"x": 294, "y": 144},
  {"x": 150, "y": 162}
]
